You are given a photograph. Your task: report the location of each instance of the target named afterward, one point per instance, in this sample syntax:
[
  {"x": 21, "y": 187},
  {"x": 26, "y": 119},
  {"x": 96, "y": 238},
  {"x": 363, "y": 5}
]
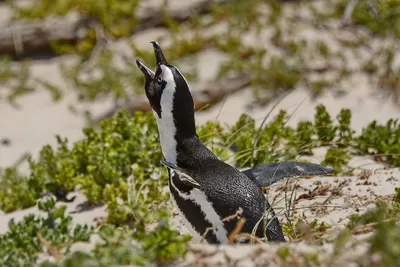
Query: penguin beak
[
  {"x": 148, "y": 73},
  {"x": 160, "y": 59},
  {"x": 159, "y": 54}
]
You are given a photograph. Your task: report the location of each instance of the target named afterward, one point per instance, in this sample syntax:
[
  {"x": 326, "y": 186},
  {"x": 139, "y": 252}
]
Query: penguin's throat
[{"x": 167, "y": 132}]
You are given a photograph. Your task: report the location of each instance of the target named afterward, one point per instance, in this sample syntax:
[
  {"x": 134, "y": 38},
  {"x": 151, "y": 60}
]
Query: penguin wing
[
  {"x": 267, "y": 174},
  {"x": 182, "y": 174}
]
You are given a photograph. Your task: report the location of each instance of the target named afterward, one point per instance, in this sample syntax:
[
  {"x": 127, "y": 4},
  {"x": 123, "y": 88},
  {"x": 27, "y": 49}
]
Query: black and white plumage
[{"x": 204, "y": 189}]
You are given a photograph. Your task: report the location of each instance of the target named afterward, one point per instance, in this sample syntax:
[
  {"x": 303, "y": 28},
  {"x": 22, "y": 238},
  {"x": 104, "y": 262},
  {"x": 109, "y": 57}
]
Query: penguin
[{"x": 205, "y": 190}]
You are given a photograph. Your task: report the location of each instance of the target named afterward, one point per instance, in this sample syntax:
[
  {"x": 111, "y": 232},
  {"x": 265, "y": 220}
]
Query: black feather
[{"x": 267, "y": 174}]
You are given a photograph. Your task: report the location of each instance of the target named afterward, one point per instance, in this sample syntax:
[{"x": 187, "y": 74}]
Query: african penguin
[{"x": 204, "y": 189}]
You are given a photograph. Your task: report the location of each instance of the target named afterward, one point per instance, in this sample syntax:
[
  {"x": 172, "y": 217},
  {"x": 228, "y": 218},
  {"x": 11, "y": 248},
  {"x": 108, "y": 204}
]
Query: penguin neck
[
  {"x": 180, "y": 143},
  {"x": 178, "y": 138}
]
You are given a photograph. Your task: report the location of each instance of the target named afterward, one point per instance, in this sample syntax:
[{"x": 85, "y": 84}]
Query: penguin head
[{"x": 166, "y": 89}]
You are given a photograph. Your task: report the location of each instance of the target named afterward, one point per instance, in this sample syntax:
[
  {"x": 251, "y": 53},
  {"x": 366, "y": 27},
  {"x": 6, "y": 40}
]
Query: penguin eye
[{"x": 159, "y": 79}]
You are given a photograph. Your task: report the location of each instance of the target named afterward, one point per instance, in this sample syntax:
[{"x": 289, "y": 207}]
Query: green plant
[
  {"x": 336, "y": 158},
  {"x": 118, "y": 165},
  {"x": 26, "y": 239},
  {"x": 301, "y": 228},
  {"x": 123, "y": 246},
  {"x": 99, "y": 165},
  {"x": 303, "y": 139},
  {"x": 382, "y": 212},
  {"x": 256, "y": 145},
  {"x": 385, "y": 242},
  {"x": 381, "y": 140},
  {"x": 117, "y": 17},
  {"x": 380, "y": 18},
  {"x": 344, "y": 131},
  {"x": 324, "y": 125},
  {"x": 15, "y": 192}
]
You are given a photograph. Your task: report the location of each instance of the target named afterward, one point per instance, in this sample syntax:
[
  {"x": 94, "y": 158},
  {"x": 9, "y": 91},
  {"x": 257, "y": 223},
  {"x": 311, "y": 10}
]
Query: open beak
[
  {"x": 148, "y": 73},
  {"x": 159, "y": 54},
  {"x": 160, "y": 59}
]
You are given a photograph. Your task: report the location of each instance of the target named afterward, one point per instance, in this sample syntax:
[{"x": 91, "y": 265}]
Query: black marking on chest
[
  {"x": 191, "y": 210},
  {"x": 226, "y": 189}
]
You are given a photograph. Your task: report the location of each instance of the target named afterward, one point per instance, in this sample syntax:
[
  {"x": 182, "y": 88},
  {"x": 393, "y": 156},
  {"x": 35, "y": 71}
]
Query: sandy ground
[{"x": 37, "y": 120}]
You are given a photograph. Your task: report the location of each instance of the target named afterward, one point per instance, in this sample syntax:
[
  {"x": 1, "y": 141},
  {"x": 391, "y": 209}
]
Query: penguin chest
[{"x": 197, "y": 211}]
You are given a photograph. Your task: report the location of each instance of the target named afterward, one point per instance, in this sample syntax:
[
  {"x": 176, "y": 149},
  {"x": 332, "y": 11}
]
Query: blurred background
[{"x": 66, "y": 64}]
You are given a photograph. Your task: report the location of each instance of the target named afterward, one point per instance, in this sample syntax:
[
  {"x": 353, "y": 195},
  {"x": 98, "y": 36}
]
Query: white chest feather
[
  {"x": 166, "y": 125},
  {"x": 208, "y": 211}
]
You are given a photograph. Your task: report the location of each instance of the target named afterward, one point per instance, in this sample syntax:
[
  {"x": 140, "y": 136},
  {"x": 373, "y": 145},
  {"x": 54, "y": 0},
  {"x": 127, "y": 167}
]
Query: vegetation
[
  {"x": 117, "y": 165},
  {"x": 53, "y": 235},
  {"x": 380, "y": 17},
  {"x": 117, "y": 161},
  {"x": 26, "y": 239},
  {"x": 301, "y": 228},
  {"x": 281, "y": 65}
]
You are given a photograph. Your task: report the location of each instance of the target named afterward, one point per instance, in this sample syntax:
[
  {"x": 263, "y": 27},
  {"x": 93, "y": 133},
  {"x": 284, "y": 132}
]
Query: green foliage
[
  {"x": 386, "y": 243},
  {"x": 118, "y": 165},
  {"x": 209, "y": 134},
  {"x": 276, "y": 76},
  {"x": 163, "y": 245},
  {"x": 270, "y": 72},
  {"x": 344, "y": 128},
  {"x": 324, "y": 125},
  {"x": 117, "y": 17},
  {"x": 125, "y": 247},
  {"x": 302, "y": 228},
  {"x": 382, "y": 141},
  {"x": 382, "y": 17},
  {"x": 256, "y": 145},
  {"x": 54, "y": 171},
  {"x": 396, "y": 198},
  {"x": 337, "y": 158},
  {"x": 25, "y": 239},
  {"x": 15, "y": 192},
  {"x": 99, "y": 165},
  {"x": 283, "y": 253},
  {"x": 303, "y": 139},
  {"x": 381, "y": 212},
  {"x": 317, "y": 87},
  {"x": 371, "y": 216},
  {"x": 54, "y": 234}
]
